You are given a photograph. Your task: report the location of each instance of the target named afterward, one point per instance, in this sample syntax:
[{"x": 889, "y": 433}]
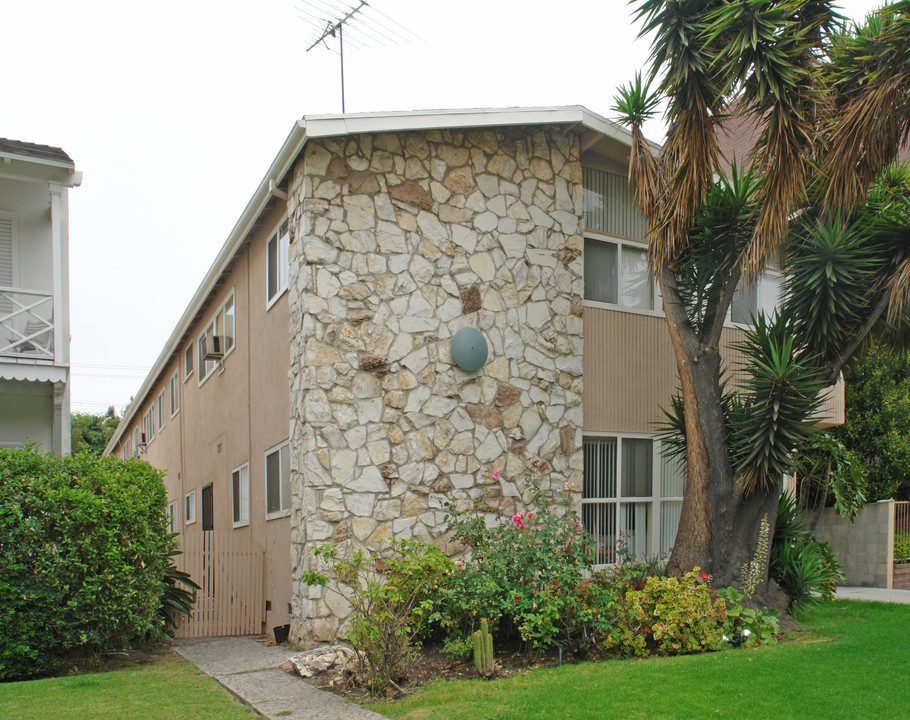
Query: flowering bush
[
  {"x": 669, "y": 616},
  {"x": 391, "y": 594},
  {"x": 523, "y": 573}
]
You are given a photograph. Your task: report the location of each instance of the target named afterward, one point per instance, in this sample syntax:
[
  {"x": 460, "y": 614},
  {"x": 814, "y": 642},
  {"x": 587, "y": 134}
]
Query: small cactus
[{"x": 484, "y": 660}]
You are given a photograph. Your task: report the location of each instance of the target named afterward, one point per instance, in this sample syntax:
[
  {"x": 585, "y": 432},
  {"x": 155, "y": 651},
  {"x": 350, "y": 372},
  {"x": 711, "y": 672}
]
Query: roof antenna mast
[{"x": 368, "y": 25}]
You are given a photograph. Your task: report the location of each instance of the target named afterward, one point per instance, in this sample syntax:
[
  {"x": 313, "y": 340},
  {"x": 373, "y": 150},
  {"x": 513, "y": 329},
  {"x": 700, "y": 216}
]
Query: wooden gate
[{"x": 231, "y": 576}]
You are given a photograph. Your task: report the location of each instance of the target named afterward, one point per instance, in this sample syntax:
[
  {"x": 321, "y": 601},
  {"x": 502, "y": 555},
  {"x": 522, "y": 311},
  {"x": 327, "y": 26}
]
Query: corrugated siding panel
[
  {"x": 630, "y": 372},
  {"x": 609, "y": 205}
]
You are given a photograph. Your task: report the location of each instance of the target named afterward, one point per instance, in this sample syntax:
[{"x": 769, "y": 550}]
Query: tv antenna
[{"x": 365, "y": 25}]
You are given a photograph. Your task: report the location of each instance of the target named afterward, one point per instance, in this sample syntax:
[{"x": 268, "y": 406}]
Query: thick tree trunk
[
  {"x": 709, "y": 476},
  {"x": 718, "y": 527}
]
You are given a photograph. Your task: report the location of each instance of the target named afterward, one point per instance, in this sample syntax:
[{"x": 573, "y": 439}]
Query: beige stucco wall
[
  {"x": 238, "y": 413},
  {"x": 865, "y": 548},
  {"x": 400, "y": 240}
]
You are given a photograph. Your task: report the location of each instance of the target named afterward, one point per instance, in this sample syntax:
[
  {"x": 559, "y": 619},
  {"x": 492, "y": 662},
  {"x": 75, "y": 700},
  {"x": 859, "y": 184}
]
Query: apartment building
[{"x": 315, "y": 392}]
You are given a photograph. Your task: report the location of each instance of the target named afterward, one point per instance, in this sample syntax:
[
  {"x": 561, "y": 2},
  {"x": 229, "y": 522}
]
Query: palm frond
[
  {"x": 870, "y": 70},
  {"x": 832, "y": 268},
  {"x": 781, "y": 392},
  {"x": 770, "y": 62}
]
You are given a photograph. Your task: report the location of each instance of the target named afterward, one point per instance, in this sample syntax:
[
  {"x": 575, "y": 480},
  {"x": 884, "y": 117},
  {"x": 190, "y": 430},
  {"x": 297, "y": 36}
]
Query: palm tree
[{"x": 772, "y": 61}]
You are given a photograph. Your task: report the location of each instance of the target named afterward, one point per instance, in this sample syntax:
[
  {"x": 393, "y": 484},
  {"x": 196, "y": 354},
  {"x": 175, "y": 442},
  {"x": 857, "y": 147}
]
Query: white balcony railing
[{"x": 26, "y": 323}]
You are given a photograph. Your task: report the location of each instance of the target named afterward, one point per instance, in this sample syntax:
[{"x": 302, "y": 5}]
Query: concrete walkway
[
  {"x": 873, "y": 594},
  {"x": 249, "y": 669}
]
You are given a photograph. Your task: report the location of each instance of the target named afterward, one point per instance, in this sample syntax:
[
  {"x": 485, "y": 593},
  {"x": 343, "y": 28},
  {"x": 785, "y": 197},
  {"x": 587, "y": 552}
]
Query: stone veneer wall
[{"x": 398, "y": 241}]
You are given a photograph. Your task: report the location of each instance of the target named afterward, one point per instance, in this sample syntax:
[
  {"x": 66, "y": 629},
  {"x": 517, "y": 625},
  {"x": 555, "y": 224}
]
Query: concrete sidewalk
[
  {"x": 873, "y": 594},
  {"x": 249, "y": 669}
]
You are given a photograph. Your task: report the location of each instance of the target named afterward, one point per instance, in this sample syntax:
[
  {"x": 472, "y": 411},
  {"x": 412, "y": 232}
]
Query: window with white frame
[
  {"x": 188, "y": 361},
  {"x": 172, "y": 518},
  {"x": 277, "y": 262},
  {"x": 616, "y": 273},
  {"x": 221, "y": 326},
  {"x": 240, "y": 495},
  {"x": 162, "y": 411},
  {"x": 175, "y": 394},
  {"x": 278, "y": 481},
  {"x": 189, "y": 508},
  {"x": 763, "y": 295},
  {"x": 632, "y": 497},
  {"x": 148, "y": 424}
]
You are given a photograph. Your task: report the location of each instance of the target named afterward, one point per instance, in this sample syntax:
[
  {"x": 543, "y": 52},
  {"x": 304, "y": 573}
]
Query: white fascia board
[
  {"x": 333, "y": 125},
  {"x": 254, "y": 208},
  {"x": 37, "y": 161}
]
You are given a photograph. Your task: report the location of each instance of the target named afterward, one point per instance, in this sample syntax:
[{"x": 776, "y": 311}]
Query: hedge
[{"x": 83, "y": 549}]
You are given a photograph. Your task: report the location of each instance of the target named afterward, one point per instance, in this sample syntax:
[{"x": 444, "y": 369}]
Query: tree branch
[{"x": 834, "y": 369}]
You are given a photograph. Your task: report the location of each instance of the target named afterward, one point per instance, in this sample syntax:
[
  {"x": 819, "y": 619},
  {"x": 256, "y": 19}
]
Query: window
[
  {"x": 208, "y": 508},
  {"x": 175, "y": 393},
  {"x": 189, "y": 508},
  {"x": 277, "y": 263},
  {"x": 764, "y": 295},
  {"x": 278, "y": 481},
  {"x": 162, "y": 412},
  {"x": 221, "y": 326},
  {"x": 616, "y": 273},
  {"x": 148, "y": 424},
  {"x": 240, "y": 496},
  {"x": 135, "y": 442},
  {"x": 632, "y": 497},
  {"x": 188, "y": 361},
  {"x": 9, "y": 262},
  {"x": 171, "y": 514}
]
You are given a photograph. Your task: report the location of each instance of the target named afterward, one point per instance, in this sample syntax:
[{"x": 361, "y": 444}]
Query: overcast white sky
[{"x": 174, "y": 109}]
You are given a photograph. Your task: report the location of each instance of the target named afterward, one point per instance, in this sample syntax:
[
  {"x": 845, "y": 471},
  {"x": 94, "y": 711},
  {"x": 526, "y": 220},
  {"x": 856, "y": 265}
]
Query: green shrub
[
  {"x": 804, "y": 566},
  {"x": 762, "y": 624},
  {"x": 391, "y": 594},
  {"x": 669, "y": 616},
  {"x": 83, "y": 551},
  {"x": 902, "y": 548}
]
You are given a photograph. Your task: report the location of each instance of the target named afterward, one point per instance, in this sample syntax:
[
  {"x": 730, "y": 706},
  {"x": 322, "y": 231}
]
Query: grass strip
[
  {"x": 168, "y": 689},
  {"x": 850, "y": 662}
]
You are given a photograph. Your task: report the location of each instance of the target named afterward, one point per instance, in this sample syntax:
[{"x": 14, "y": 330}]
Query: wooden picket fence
[{"x": 231, "y": 575}]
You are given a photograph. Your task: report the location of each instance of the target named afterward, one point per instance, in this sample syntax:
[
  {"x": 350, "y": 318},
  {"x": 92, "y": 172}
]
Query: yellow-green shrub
[{"x": 669, "y": 616}]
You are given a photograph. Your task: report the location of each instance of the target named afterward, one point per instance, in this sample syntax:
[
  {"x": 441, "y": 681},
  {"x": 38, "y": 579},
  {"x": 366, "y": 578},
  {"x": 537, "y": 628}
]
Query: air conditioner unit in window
[
  {"x": 214, "y": 347},
  {"x": 142, "y": 442}
]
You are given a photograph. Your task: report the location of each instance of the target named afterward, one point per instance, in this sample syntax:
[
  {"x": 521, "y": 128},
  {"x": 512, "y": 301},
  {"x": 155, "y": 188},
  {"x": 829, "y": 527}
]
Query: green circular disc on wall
[{"x": 469, "y": 349}]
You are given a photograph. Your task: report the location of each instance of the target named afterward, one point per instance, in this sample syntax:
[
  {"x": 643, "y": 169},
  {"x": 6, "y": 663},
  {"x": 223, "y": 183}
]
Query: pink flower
[
  {"x": 495, "y": 474},
  {"x": 535, "y": 606},
  {"x": 522, "y": 526},
  {"x": 517, "y": 519},
  {"x": 530, "y": 516}
]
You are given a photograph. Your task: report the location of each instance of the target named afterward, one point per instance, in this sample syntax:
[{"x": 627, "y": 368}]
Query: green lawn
[
  {"x": 168, "y": 689},
  {"x": 855, "y": 663}
]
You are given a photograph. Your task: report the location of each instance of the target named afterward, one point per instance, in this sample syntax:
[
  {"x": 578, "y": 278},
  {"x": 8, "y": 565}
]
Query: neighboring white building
[{"x": 34, "y": 295}]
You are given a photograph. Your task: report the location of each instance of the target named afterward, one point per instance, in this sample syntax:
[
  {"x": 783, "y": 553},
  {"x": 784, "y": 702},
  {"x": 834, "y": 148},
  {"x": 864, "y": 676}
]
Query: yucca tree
[{"x": 770, "y": 60}]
